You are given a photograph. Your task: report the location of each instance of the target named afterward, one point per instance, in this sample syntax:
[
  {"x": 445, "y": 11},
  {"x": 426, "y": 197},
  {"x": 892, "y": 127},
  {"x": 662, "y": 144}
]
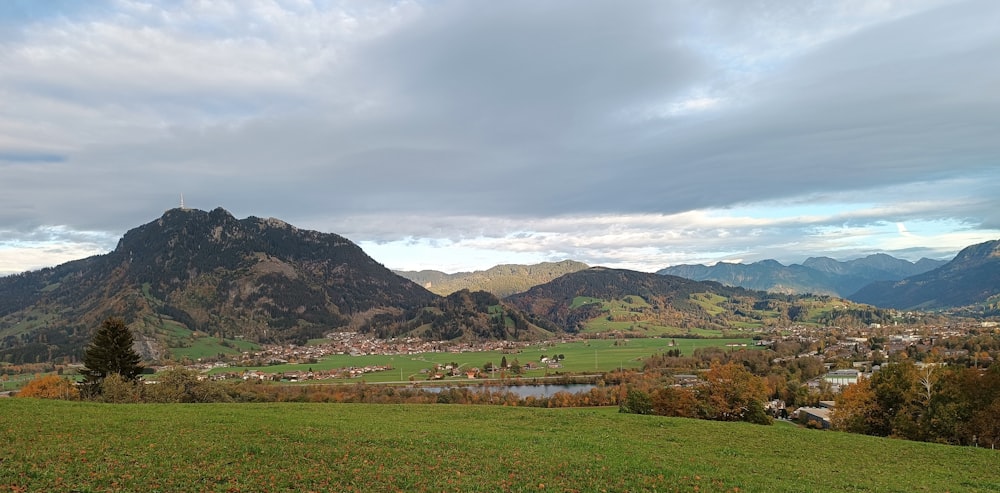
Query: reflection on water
[{"x": 522, "y": 391}]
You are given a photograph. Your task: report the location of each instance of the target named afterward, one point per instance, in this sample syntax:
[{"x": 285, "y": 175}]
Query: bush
[
  {"x": 50, "y": 387},
  {"x": 119, "y": 390},
  {"x": 180, "y": 385},
  {"x": 636, "y": 402}
]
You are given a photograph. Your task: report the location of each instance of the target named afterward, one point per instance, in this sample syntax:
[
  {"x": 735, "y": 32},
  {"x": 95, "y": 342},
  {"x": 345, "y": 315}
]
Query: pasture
[{"x": 88, "y": 447}]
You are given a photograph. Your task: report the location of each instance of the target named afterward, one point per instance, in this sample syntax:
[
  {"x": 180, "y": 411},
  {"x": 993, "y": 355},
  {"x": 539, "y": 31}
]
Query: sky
[{"x": 458, "y": 135}]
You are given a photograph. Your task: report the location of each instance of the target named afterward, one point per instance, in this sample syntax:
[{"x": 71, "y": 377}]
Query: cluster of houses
[
  {"x": 356, "y": 344},
  {"x": 299, "y": 376}
]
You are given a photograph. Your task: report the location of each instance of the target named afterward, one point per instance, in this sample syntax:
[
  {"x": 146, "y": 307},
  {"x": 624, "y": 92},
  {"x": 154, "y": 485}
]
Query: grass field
[
  {"x": 14, "y": 382},
  {"x": 186, "y": 343},
  {"x": 86, "y": 447},
  {"x": 598, "y": 355},
  {"x": 630, "y": 314}
]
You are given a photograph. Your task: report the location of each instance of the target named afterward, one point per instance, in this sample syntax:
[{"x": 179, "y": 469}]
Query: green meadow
[
  {"x": 89, "y": 447},
  {"x": 591, "y": 356},
  {"x": 190, "y": 344},
  {"x": 628, "y": 315}
]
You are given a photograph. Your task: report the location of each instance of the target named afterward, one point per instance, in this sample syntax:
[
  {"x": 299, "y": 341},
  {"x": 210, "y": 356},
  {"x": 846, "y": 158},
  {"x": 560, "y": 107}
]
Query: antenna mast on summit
[{"x": 182, "y": 201}]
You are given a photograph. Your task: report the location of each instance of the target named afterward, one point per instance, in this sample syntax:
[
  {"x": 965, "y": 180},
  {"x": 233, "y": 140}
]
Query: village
[
  {"x": 846, "y": 354},
  {"x": 355, "y": 344}
]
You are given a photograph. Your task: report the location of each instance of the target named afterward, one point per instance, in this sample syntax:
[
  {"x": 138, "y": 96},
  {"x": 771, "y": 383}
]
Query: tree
[
  {"x": 110, "y": 352},
  {"x": 897, "y": 393},
  {"x": 732, "y": 393},
  {"x": 50, "y": 387},
  {"x": 857, "y": 410},
  {"x": 675, "y": 401},
  {"x": 636, "y": 402}
]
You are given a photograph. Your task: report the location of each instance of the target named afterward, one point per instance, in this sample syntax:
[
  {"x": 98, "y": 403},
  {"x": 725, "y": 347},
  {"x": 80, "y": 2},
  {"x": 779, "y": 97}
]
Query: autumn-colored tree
[
  {"x": 732, "y": 393},
  {"x": 985, "y": 425},
  {"x": 857, "y": 410},
  {"x": 675, "y": 401},
  {"x": 965, "y": 407},
  {"x": 50, "y": 387}
]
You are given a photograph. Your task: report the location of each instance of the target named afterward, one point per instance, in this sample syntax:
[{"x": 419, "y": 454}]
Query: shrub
[
  {"x": 180, "y": 385},
  {"x": 120, "y": 390},
  {"x": 50, "y": 387}
]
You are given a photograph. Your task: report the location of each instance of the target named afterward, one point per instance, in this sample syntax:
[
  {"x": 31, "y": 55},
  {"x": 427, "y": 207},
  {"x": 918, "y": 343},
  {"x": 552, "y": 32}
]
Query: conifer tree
[{"x": 110, "y": 352}]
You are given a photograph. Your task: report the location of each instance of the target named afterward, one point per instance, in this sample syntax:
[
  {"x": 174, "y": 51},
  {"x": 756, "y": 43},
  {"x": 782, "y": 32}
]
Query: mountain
[
  {"x": 193, "y": 273},
  {"x": 972, "y": 277},
  {"x": 877, "y": 267},
  {"x": 614, "y": 300},
  {"x": 767, "y": 275},
  {"x": 462, "y": 316},
  {"x": 502, "y": 280},
  {"x": 817, "y": 275}
]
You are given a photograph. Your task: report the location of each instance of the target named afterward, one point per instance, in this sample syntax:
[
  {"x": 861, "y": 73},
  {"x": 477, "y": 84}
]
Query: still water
[{"x": 522, "y": 391}]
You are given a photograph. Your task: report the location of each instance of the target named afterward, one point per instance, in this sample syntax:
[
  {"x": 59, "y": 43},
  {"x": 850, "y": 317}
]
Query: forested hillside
[
  {"x": 971, "y": 278},
  {"x": 614, "y": 300},
  {"x": 191, "y": 274}
]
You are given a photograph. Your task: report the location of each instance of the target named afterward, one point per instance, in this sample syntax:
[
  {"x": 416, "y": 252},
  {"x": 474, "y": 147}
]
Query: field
[
  {"x": 14, "y": 382},
  {"x": 593, "y": 356},
  {"x": 186, "y": 343},
  {"x": 631, "y": 314},
  {"x": 87, "y": 447}
]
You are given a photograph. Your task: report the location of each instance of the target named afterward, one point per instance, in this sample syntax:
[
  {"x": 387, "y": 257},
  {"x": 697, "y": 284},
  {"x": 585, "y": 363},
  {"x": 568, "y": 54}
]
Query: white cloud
[{"x": 638, "y": 133}]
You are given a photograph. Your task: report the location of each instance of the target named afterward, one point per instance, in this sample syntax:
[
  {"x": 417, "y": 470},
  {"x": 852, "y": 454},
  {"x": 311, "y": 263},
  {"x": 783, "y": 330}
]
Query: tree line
[{"x": 930, "y": 402}]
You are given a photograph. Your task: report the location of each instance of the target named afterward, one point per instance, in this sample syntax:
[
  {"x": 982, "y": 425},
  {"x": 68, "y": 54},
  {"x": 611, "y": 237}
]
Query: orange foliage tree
[
  {"x": 50, "y": 387},
  {"x": 857, "y": 409},
  {"x": 732, "y": 393}
]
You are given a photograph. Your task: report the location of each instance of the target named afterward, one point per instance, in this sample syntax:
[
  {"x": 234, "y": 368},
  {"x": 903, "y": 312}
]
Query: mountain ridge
[
  {"x": 972, "y": 277},
  {"x": 817, "y": 275}
]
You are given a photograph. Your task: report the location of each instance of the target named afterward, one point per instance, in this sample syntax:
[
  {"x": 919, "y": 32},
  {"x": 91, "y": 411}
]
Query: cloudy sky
[{"x": 457, "y": 135}]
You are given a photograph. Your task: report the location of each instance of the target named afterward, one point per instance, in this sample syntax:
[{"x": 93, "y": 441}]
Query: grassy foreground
[{"x": 67, "y": 446}]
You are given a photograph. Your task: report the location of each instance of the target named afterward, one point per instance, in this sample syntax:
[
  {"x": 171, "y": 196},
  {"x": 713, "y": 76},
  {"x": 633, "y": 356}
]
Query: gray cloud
[{"x": 464, "y": 120}]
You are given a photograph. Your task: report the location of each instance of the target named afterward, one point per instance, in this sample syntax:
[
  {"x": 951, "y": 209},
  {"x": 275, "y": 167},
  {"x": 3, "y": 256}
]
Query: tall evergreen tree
[{"x": 110, "y": 351}]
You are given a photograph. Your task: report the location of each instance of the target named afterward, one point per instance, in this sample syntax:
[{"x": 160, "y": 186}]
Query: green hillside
[
  {"x": 66, "y": 446},
  {"x": 642, "y": 304},
  {"x": 502, "y": 280}
]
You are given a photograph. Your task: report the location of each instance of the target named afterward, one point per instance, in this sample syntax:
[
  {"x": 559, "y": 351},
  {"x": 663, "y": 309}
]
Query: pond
[{"x": 522, "y": 391}]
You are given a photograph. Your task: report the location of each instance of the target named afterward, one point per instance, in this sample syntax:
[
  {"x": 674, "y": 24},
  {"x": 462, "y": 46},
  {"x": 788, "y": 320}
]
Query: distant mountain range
[
  {"x": 502, "y": 280},
  {"x": 817, "y": 275},
  {"x": 194, "y": 284},
  {"x": 971, "y": 278}
]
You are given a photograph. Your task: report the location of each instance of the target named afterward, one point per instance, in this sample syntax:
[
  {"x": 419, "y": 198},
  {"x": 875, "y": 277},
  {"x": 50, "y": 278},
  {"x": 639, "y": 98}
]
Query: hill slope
[
  {"x": 502, "y": 280},
  {"x": 972, "y": 277},
  {"x": 603, "y": 300},
  {"x": 462, "y": 316},
  {"x": 372, "y": 447},
  {"x": 191, "y": 272}
]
